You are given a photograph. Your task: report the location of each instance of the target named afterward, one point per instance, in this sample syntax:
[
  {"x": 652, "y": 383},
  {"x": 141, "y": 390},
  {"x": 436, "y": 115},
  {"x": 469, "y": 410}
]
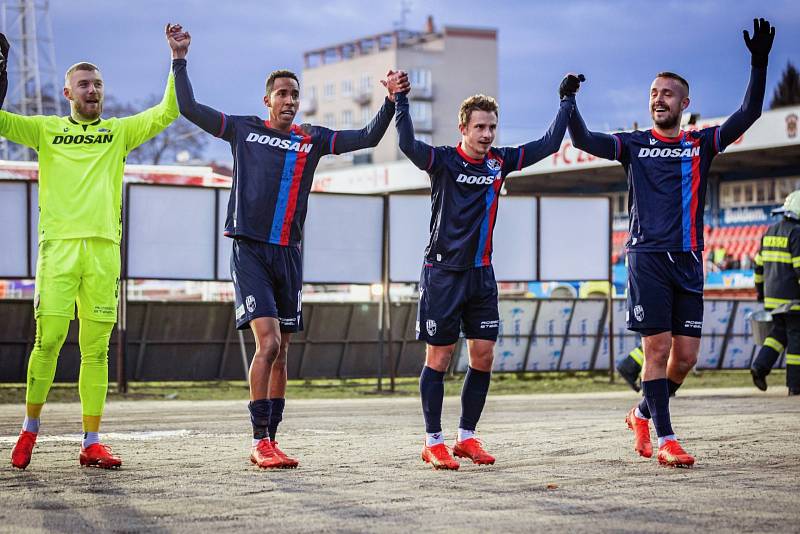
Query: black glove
[
  {"x": 761, "y": 42},
  {"x": 570, "y": 85},
  {"x": 4, "y": 47}
]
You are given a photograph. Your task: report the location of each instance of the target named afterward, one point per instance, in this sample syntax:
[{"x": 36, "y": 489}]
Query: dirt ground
[{"x": 565, "y": 463}]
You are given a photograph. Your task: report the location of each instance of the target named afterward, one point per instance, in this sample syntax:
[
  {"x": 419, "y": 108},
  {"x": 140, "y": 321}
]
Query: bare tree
[
  {"x": 180, "y": 137},
  {"x": 787, "y": 93}
]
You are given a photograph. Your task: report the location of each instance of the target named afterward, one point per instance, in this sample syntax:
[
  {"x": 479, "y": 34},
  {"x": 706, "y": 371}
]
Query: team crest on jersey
[
  {"x": 638, "y": 312},
  {"x": 430, "y": 326},
  {"x": 250, "y": 302},
  {"x": 493, "y": 164}
]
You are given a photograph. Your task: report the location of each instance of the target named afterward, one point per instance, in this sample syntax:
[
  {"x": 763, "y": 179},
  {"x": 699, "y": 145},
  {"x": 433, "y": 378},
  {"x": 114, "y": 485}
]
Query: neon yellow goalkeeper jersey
[{"x": 81, "y": 165}]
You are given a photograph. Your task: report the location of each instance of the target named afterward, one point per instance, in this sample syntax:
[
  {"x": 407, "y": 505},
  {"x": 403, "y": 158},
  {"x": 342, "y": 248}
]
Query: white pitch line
[{"x": 111, "y": 436}]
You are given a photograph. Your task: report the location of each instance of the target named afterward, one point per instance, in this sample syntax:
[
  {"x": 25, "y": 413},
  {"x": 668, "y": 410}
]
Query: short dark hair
[
  {"x": 274, "y": 75},
  {"x": 678, "y": 77}
]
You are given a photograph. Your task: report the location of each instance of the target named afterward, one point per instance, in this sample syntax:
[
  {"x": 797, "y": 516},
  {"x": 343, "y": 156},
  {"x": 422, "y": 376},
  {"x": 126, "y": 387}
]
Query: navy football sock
[
  {"x": 473, "y": 397},
  {"x": 259, "y": 417},
  {"x": 275, "y": 416},
  {"x": 656, "y": 393},
  {"x": 431, "y": 391},
  {"x": 645, "y": 410}
]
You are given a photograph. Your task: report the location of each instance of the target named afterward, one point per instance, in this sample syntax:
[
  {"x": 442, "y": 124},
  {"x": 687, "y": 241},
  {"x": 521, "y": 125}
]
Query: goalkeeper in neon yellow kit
[{"x": 81, "y": 163}]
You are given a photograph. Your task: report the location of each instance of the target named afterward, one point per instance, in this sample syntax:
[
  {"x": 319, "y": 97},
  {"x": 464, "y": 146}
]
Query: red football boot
[
  {"x": 21, "y": 455},
  {"x": 265, "y": 457},
  {"x": 99, "y": 455},
  {"x": 672, "y": 454},
  {"x": 439, "y": 457},
  {"x": 472, "y": 448},
  {"x": 288, "y": 463},
  {"x": 641, "y": 434}
]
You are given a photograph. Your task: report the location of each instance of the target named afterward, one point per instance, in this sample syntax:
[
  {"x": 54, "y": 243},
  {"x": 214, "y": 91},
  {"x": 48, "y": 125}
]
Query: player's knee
[
  {"x": 50, "y": 339},
  {"x": 438, "y": 360},
  {"x": 281, "y": 357},
  {"x": 268, "y": 348},
  {"x": 482, "y": 362},
  {"x": 686, "y": 361}
]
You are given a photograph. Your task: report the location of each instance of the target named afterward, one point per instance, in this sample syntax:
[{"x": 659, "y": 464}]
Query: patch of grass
[{"x": 502, "y": 384}]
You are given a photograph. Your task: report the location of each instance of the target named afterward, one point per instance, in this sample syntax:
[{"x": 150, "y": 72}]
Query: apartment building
[{"x": 341, "y": 83}]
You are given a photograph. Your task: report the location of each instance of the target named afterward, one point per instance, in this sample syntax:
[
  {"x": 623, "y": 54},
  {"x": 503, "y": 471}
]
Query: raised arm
[
  {"x": 597, "y": 144},
  {"x": 369, "y": 136},
  {"x": 759, "y": 45},
  {"x": 551, "y": 141},
  {"x": 420, "y": 154},
  {"x": 21, "y": 129},
  {"x": 209, "y": 119},
  {"x": 4, "y": 48}
]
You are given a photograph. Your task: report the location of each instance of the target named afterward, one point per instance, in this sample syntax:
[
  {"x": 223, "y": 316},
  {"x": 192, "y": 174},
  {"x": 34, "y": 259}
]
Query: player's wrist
[
  {"x": 759, "y": 62},
  {"x": 179, "y": 54}
]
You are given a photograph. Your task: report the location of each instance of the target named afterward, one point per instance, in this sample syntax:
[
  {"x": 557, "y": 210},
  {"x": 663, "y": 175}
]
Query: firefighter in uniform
[{"x": 777, "y": 278}]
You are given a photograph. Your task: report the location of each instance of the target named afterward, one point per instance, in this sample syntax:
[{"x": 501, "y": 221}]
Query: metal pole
[
  {"x": 243, "y": 350},
  {"x": 122, "y": 338},
  {"x": 610, "y": 291}
]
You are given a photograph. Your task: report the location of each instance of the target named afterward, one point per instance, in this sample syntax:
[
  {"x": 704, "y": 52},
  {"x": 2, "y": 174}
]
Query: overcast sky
[{"x": 619, "y": 45}]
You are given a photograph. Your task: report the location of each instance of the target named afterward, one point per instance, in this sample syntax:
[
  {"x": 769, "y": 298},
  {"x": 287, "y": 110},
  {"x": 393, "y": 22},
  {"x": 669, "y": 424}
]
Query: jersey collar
[
  {"x": 295, "y": 128},
  {"x": 665, "y": 139},
  {"x": 73, "y": 121},
  {"x": 466, "y": 158}
]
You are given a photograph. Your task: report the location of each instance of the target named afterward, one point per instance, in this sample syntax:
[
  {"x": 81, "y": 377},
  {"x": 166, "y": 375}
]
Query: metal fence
[{"x": 197, "y": 341}]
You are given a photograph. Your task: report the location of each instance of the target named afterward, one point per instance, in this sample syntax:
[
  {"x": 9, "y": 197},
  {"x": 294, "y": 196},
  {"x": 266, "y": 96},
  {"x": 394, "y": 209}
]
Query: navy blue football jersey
[
  {"x": 465, "y": 192},
  {"x": 667, "y": 179},
  {"x": 272, "y": 170},
  {"x": 272, "y": 176}
]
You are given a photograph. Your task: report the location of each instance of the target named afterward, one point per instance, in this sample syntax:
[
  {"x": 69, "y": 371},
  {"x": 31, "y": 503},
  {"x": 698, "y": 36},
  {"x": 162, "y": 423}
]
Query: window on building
[
  {"x": 420, "y": 79},
  {"x": 421, "y": 113},
  {"x": 365, "y": 85},
  {"x": 329, "y": 120},
  {"x": 763, "y": 192},
  {"x": 347, "y": 119},
  {"x": 366, "y": 115},
  {"x": 347, "y": 87},
  {"x": 329, "y": 91}
]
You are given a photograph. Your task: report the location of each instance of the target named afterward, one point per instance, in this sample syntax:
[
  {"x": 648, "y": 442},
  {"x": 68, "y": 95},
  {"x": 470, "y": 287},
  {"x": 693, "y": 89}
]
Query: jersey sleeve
[
  {"x": 536, "y": 150},
  {"x": 22, "y": 129},
  {"x": 597, "y": 144},
  {"x": 207, "y": 118},
  {"x": 421, "y": 154},
  {"x": 749, "y": 112},
  {"x": 323, "y": 137},
  {"x": 711, "y": 139},
  {"x": 621, "y": 146},
  {"x": 143, "y": 126},
  {"x": 344, "y": 141}
]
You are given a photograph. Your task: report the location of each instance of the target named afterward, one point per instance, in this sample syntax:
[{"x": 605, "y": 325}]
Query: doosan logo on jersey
[
  {"x": 479, "y": 180},
  {"x": 86, "y": 139},
  {"x": 287, "y": 144},
  {"x": 669, "y": 152}
]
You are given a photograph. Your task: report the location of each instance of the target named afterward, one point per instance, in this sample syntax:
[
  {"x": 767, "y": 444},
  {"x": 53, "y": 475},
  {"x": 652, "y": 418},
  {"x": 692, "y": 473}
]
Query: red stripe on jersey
[
  {"x": 466, "y": 157},
  {"x": 666, "y": 139},
  {"x": 695, "y": 194},
  {"x": 297, "y": 179},
  {"x": 222, "y": 126},
  {"x": 487, "y": 250}
]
